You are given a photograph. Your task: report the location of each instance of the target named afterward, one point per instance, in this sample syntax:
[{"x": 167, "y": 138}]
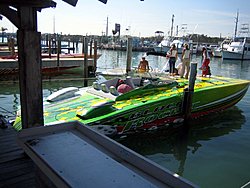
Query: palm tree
[{"x": 3, "y": 29}]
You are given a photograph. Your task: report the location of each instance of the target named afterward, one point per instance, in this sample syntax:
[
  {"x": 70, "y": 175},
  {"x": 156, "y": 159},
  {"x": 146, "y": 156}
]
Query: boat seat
[
  {"x": 112, "y": 82},
  {"x": 129, "y": 82},
  {"x": 113, "y": 91},
  {"x": 137, "y": 82},
  {"x": 96, "y": 86},
  {"x": 104, "y": 88}
]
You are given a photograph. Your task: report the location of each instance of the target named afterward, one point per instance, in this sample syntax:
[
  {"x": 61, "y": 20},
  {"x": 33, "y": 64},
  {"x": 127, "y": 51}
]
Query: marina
[
  {"x": 215, "y": 153},
  {"x": 78, "y": 127}
]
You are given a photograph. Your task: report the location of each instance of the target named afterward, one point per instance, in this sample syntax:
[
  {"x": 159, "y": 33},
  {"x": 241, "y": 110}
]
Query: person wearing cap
[
  {"x": 123, "y": 88},
  {"x": 143, "y": 65}
]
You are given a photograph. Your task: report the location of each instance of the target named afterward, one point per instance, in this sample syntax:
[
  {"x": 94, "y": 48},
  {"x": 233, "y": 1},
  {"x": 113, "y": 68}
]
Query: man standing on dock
[{"x": 143, "y": 65}]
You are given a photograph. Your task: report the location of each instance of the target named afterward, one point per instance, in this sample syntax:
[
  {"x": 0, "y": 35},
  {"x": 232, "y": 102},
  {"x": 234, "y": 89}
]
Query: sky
[{"x": 138, "y": 18}]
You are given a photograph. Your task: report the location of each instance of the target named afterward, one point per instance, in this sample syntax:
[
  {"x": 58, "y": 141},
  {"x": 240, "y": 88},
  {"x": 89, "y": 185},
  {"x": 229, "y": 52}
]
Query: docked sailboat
[{"x": 153, "y": 101}]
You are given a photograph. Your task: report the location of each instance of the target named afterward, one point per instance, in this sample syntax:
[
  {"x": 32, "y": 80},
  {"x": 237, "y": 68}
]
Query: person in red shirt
[{"x": 123, "y": 88}]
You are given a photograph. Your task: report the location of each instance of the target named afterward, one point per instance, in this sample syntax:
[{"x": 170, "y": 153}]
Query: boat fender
[{"x": 64, "y": 93}]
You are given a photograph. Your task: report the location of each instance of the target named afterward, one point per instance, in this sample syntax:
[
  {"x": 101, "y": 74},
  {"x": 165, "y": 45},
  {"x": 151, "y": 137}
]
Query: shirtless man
[{"x": 143, "y": 66}]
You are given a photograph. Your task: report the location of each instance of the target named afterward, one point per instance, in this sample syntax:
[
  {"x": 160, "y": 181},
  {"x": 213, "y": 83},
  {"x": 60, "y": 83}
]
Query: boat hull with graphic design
[{"x": 154, "y": 101}]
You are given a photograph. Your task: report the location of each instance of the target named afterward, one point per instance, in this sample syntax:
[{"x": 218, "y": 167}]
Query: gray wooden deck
[{"x": 16, "y": 168}]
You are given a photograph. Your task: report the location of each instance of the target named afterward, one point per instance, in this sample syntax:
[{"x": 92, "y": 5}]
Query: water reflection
[{"x": 177, "y": 141}]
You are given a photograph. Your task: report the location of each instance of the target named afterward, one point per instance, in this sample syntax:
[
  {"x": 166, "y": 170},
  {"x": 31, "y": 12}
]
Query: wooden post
[
  {"x": 86, "y": 41},
  {"x": 30, "y": 68},
  {"x": 95, "y": 55},
  {"x": 82, "y": 44},
  {"x": 46, "y": 39},
  {"x": 30, "y": 76},
  {"x": 129, "y": 54},
  {"x": 90, "y": 49},
  {"x": 77, "y": 40},
  {"x": 50, "y": 41},
  {"x": 73, "y": 46},
  {"x": 243, "y": 50},
  {"x": 188, "y": 95},
  {"x": 12, "y": 48},
  {"x": 68, "y": 47},
  {"x": 58, "y": 55}
]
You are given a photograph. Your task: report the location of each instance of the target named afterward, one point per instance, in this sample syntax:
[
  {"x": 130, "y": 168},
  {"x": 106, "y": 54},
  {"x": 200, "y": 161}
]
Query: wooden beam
[
  {"x": 71, "y": 2},
  {"x": 30, "y": 76},
  {"x": 31, "y": 3},
  {"x": 103, "y": 1},
  {"x": 30, "y": 68},
  {"x": 28, "y": 17},
  {"x": 10, "y": 14}
]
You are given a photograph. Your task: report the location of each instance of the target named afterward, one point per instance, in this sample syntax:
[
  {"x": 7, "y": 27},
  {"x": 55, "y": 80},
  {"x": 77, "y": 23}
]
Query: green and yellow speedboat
[{"x": 154, "y": 101}]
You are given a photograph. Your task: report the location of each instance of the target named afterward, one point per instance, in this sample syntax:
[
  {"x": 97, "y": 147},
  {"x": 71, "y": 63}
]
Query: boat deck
[{"x": 17, "y": 169}]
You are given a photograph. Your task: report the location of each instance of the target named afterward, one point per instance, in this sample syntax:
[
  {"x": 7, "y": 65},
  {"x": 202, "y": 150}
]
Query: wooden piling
[
  {"x": 188, "y": 95},
  {"x": 95, "y": 55},
  {"x": 77, "y": 43},
  {"x": 82, "y": 44},
  {"x": 58, "y": 54},
  {"x": 68, "y": 46},
  {"x": 86, "y": 41},
  {"x": 90, "y": 49},
  {"x": 50, "y": 41},
  {"x": 12, "y": 48},
  {"x": 129, "y": 53},
  {"x": 30, "y": 76}
]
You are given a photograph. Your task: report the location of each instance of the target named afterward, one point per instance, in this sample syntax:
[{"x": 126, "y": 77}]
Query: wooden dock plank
[{"x": 17, "y": 169}]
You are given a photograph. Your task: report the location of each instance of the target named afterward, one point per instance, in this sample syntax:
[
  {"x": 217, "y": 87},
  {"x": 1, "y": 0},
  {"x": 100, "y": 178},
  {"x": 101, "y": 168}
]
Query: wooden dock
[
  {"x": 17, "y": 169},
  {"x": 128, "y": 167}
]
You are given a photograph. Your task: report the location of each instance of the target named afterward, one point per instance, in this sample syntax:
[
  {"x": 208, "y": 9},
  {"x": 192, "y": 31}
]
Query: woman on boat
[
  {"x": 185, "y": 59},
  {"x": 172, "y": 59},
  {"x": 206, "y": 61},
  {"x": 143, "y": 65}
]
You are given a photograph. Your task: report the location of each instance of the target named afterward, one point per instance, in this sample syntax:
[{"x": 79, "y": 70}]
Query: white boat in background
[
  {"x": 164, "y": 46},
  {"x": 223, "y": 46},
  {"x": 179, "y": 43},
  {"x": 239, "y": 49}
]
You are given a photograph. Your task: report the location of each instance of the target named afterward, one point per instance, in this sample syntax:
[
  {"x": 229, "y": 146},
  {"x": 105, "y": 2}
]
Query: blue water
[{"x": 214, "y": 153}]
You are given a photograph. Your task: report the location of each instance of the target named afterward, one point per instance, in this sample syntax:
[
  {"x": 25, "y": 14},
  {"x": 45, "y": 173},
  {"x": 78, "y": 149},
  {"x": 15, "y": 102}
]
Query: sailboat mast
[
  {"x": 236, "y": 24},
  {"x": 172, "y": 25}
]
